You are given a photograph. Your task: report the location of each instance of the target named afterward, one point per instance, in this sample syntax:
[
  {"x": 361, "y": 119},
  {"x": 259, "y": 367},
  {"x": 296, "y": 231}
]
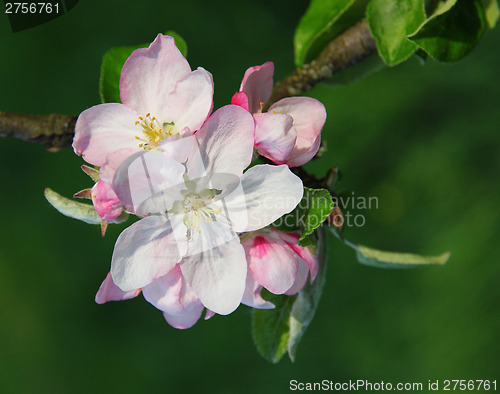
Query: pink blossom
[
  {"x": 289, "y": 133},
  {"x": 161, "y": 98},
  {"x": 106, "y": 202},
  {"x": 277, "y": 263},
  {"x": 198, "y": 209},
  {"x": 169, "y": 293}
]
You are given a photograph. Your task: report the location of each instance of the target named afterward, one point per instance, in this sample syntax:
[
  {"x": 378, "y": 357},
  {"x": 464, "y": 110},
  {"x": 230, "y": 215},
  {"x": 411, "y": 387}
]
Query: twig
[
  {"x": 347, "y": 49},
  {"x": 53, "y": 131},
  {"x": 351, "y": 47}
]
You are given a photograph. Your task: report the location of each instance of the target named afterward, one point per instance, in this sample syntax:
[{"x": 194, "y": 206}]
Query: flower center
[
  {"x": 196, "y": 207},
  {"x": 153, "y": 132}
]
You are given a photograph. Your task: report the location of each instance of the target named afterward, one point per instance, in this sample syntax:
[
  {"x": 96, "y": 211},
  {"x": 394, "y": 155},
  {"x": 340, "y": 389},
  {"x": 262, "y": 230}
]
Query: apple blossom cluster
[{"x": 203, "y": 240}]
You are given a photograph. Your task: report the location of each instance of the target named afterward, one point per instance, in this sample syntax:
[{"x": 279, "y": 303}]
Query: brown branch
[
  {"x": 347, "y": 49},
  {"x": 53, "y": 131}
]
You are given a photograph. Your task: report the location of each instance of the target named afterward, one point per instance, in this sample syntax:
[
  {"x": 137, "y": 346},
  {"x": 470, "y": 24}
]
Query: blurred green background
[{"x": 423, "y": 139}]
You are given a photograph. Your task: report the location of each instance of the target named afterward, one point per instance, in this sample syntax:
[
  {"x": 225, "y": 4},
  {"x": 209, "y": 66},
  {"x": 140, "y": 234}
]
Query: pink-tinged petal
[
  {"x": 305, "y": 253},
  {"x": 300, "y": 279},
  {"x": 303, "y": 151},
  {"x": 225, "y": 143},
  {"x": 274, "y": 136},
  {"x": 289, "y": 238},
  {"x": 149, "y": 182},
  {"x": 273, "y": 264},
  {"x": 252, "y": 296},
  {"x": 145, "y": 251},
  {"x": 309, "y": 116},
  {"x": 106, "y": 202},
  {"x": 240, "y": 99},
  {"x": 104, "y": 129},
  {"x": 191, "y": 101},
  {"x": 218, "y": 276},
  {"x": 111, "y": 292},
  {"x": 309, "y": 258},
  {"x": 187, "y": 318},
  {"x": 209, "y": 314},
  {"x": 113, "y": 161},
  {"x": 269, "y": 193},
  {"x": 257, "y": 83},
  {"x": 150, "y": 74},
  {"x": 170, "y": 293},
  {"x": 179, "y": 147}
]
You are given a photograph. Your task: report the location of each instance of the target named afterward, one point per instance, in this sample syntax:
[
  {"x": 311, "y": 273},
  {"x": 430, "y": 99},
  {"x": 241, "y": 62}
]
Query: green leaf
[
  {"x": 112, "y": 64},
  {"x": 318, "y": 26},
  {"x": 77, "y": 210},
  {"x": 390, "y": 22},
  {"x": 307, "y": 301},
  {"x": 491, "y": 12},
  {"x": 308, "y": 240},
  {"x": 450, "y": 36},
  {"x": 271, "y": 327},
  {"x": 93, "y": 173},
  {"x": 312, "y": 211},
  {"x": 111, "y": 68},
  {"x": 382, "y": 259},
  {"x": 434, "y": 8},
  {"x": 280, "y": 330},
  {"x": 73, "y": 209}
]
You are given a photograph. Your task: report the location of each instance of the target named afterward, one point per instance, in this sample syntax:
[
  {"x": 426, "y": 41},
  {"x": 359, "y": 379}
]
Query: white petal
[
  {"x": 113, "y": 161},
  {"x": 143, "y": 252},
  {"x": 149, "y": 182},
  {"x": 150, "y": 74},
  {"x": 187, "y": 318},
  {"x": 225, "y": 143},
  {"x": 274, "y": 136},
  {"x": 257, "y": 83},
  {"x": 179, "y": 147},
  {"x": 252, "y": 296},
  {"x": 300, "y": 279},
  {"x": 191, "y": 101},
  {"x": 303, "y": 151},
  {"x": 269, "y": 193},
  {"x": 170, "y": 293},
  {"x": 104, "y": 129},
  {"x": 208, "y": 235},
  {"x": 308, "y": 114},
  {"x": 111, "y": 292},
  {"x": 218, "y": 276}
]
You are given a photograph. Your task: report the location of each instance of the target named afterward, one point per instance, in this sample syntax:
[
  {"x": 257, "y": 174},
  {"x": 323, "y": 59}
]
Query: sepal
[
  {"x": 77, "y": 210},
  {"x": 91, "y": 172},
  {"x": 85, "y": 193}
]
